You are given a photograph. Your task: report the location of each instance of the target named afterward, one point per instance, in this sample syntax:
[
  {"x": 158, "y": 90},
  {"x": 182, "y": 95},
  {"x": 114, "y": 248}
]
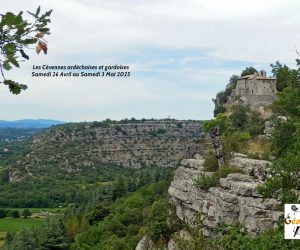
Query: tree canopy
[
  {"x": 284, "y": 75},
  {"x": 248, "y": 71},
  {"x": 286, "y": 139}
]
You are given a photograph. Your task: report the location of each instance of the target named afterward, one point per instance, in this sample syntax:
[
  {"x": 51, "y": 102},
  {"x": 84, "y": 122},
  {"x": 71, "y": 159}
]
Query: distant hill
[
  {"x": 129, "y": 143},
  {"x": 29, "y": 123}
]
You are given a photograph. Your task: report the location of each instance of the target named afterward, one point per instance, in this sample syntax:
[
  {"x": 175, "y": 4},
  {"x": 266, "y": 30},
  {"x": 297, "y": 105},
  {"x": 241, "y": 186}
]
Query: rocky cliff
[
  {"x": 235, "y": 199},
  {"x": 71, "y": 147}
]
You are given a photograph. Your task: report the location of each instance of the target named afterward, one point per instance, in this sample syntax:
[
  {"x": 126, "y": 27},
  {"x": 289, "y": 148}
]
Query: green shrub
[
  {"x": 207, "y": 181},
  {"x": 256, "y": 124},
  {"x": 221, "y": 120},
  {"x": 157, "y": 221},
  {"x": 15, "y": 214},
  {"x": 210, "y": 164},
  {"x": 26, "y": 213},
  {"x": 231, "y": 144},
  {"x": 3, "y": 213},
  {"x": 235, "y": 142},
  {"x": 239, "y": 117},
  {"x": 219, "y": 109},
  {"x": 244, "y": 136},
  {"x": 97, "y": 213},
  {"x": 237, "y": 238},
  {"x": 244, "y": 119},
  {"x": 161, "y": 131},
  {"x": 179, "y": 125}
]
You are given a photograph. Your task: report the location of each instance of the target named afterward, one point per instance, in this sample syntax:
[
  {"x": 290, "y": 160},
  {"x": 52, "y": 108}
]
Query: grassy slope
[
  {"x": 39, "y": 210},
  {"x": 9, "y": 224}
]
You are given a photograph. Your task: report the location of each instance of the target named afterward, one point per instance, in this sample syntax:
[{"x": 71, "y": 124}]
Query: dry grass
[
  {"x": 259, "y": 149},
  {"x": 2, "y": 237}
]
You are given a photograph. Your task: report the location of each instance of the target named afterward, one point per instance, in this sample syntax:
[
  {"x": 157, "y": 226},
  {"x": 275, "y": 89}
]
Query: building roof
[{"x": 256, "y": 76}]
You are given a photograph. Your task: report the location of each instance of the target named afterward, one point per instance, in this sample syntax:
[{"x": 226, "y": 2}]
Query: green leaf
[
  {"x": 10, "y": 49},
  {"x": 18, "y": 19},
  {"x": 9, "y": 19},
  {"x": 14, "y": 62},
  {"x": 30, "y": 13},
  {"x": 23, "y": 54},
  {"x": 6, "y": 65},
  {"x": 15, "y": 87},
  {"x": 21, "y": 29},
  {"x": 47, "y": 20},
  {"x": 47, "y": 14},
  {"x": 44, "y": 30},
  {"x": 38, "y": 11},
  {"x": 1, "y": 25},
  {"x": 28, "y": 41}
]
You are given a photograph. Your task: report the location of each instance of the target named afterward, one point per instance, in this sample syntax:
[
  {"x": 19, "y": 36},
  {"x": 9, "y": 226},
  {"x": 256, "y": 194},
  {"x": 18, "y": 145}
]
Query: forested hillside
[{"x": 130, "y": 143}]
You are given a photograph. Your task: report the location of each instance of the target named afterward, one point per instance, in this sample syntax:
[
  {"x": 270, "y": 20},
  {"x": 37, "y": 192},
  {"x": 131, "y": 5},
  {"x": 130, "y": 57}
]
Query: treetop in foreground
[{"x": 16, "y": 36}]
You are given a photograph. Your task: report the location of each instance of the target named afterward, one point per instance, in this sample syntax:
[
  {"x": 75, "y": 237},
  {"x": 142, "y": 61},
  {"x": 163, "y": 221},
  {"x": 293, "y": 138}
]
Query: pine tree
[{"x": 52, "y": 235}]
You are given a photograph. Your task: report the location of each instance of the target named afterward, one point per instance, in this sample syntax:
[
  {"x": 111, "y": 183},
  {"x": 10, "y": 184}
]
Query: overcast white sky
[{"x": 180, "y": 53}]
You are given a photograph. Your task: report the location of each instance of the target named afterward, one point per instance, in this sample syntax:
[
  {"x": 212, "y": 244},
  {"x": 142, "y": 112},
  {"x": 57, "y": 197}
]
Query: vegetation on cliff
[
  {"x": 241, "y": 128},
  {"x": 285, "y": 183}
]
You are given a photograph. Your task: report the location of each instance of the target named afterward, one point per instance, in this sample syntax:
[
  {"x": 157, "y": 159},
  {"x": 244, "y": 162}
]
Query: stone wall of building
[{"x": 255, "y": 90}]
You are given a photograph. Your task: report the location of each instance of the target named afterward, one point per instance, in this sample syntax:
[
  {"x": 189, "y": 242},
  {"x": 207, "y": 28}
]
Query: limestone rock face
[
  {"x": 269, "y": 129},
  {"x": 145, "y": 244},
  {"x": 270, "y": 126},
  {"x": 253, "y": 167},
  {"x": 235, "y": 199},
  {"x": 73, "y": 147}
]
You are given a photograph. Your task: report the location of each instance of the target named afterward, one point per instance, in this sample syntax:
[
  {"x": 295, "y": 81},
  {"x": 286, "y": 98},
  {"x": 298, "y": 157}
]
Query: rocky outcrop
[
  {"x": 72, "y": 147},
  {"x": 235, "y": 199},
  {"x": 270, "y": 126},
  {"x": 269, "y": 129},
  {"x": 253, "y": 167},
  {"x": 145, "y": 244}
]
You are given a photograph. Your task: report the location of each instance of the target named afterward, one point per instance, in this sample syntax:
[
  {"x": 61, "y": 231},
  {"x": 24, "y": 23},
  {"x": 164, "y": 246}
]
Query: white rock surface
[{"x": 234, "y": 200}]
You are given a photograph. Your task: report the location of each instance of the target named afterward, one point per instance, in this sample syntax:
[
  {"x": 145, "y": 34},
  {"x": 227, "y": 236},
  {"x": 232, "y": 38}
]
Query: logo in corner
[{"x": 292, "y": 221}]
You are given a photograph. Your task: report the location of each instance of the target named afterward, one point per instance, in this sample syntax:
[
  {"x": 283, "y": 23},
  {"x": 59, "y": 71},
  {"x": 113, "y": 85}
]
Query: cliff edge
[{"x": 235, "y": 199}]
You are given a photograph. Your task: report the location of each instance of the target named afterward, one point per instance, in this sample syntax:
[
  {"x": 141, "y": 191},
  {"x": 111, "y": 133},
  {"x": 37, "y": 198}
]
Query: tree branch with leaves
[{"x": 18, "y": 35}]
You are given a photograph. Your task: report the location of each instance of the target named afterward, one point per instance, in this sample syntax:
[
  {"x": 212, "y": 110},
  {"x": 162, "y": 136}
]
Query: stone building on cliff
[{"x": 257, "y": 90}]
